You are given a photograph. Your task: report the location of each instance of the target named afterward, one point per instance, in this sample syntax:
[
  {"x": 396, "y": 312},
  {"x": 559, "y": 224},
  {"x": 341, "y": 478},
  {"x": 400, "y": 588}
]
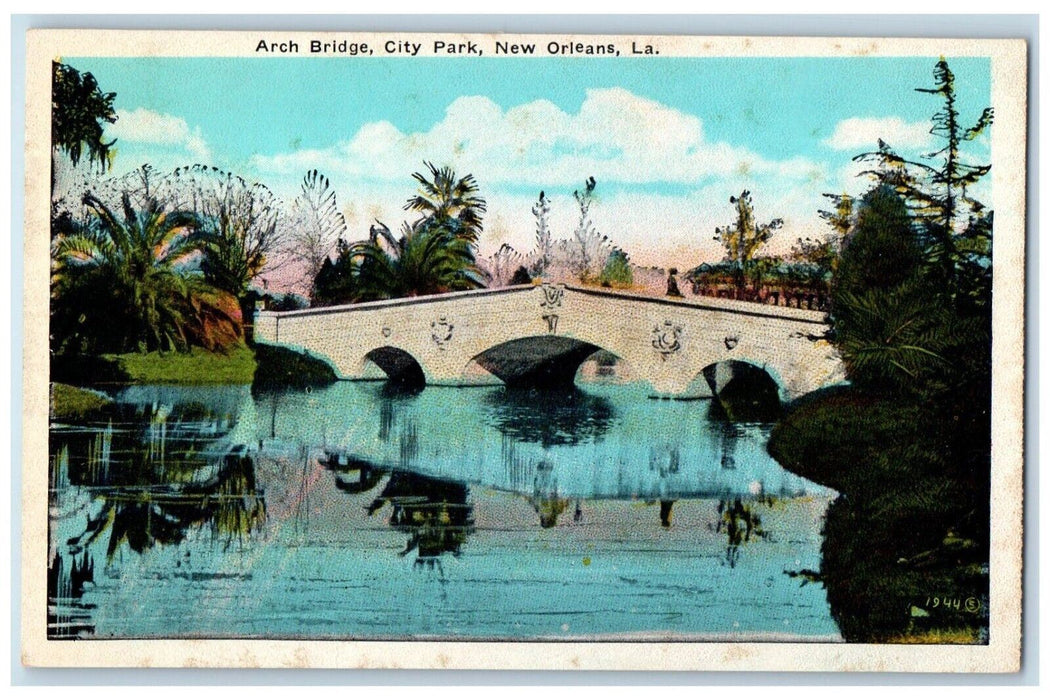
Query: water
[{"x": 354, "y": 512}]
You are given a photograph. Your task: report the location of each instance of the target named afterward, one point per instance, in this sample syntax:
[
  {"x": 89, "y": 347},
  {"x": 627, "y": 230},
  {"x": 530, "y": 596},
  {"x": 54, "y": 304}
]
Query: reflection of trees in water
[
  {"x": 545, "y": 500},
  {"x": 138, "y": 444},
  {"x": 160, "y": 514},
  {"x": 352, "y": 475},
  {"x": 729, "y": 435},
  {"x": 67, "y": 618},
  {"x": 144, "y": 517},
  {"x": 434, "y": 512},
  {"x": 561, "y": 416},
  {"x": 665, "y": 513},
  {"x": 147, "y": 470},
  {"x": 665, "y": 459},
  {"x": 741, "y": 523},
  {"x": 391, "y": 397}
]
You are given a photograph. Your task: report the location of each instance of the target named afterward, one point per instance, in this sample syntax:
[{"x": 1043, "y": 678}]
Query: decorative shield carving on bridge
[
  {"x": 441, "y": 331},
  {"x": 732, "y": 340},
  {"x": 667, "y": 338},
  {"x": 552, "y": 295}
]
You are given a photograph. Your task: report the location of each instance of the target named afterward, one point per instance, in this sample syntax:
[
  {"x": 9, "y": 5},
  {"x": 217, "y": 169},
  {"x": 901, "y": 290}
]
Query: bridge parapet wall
[{"x": 666, "y": 342}]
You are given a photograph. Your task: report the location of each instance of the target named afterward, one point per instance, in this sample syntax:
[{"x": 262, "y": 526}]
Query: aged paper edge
[{"x": 1002, "y": 654}]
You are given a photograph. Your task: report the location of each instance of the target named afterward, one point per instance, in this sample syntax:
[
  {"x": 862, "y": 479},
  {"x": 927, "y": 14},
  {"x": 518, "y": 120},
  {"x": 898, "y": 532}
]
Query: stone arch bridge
[{"x": 540, "y": 335}]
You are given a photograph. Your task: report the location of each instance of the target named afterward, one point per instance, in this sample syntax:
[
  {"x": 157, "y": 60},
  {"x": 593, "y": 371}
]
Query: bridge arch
[
  {"x": 400, "y": 367},
  {"x": 541, "y": 361},
  {"x": 742, "y": 389},
  {"x": 536, "y": 361}
]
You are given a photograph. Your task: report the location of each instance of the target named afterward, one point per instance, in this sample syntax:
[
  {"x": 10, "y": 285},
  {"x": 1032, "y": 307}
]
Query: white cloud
[
  {"x": 616, "y": 136},
  {"x": 143, "y": 126},
  {"x": 858, "y": 132}
]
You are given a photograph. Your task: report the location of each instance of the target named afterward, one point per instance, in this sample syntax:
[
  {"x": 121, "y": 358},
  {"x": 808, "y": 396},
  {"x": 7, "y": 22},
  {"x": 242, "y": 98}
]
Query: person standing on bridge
[{"x": 672, "y": 283}]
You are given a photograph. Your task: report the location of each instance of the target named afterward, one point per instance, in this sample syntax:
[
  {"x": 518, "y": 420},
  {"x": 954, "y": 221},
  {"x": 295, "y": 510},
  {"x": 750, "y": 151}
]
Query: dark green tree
[
  {"x": 521, "y": 276},
  {"x": 336, "y": 281},
  {"x": 79, "y": 111},
  {"x": 889, "y": 324},
  {"x": 937, "y": 191},
  {"x": 617, "y": 272},
  {"x": 882, "y": 250}
]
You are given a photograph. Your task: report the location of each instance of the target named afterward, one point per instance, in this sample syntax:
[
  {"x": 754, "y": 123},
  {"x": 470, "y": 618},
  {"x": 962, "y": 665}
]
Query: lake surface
[{"x": 356, "y": 512}]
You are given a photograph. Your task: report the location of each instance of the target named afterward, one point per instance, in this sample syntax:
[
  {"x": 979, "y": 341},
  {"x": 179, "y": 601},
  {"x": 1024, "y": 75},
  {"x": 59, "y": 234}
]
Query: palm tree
[
  {"x": 426, "y": 258},
  {"x": 452, "y": 202},
  {"x": 127, "y": 282},
  {"x": 897, "y": 338}
]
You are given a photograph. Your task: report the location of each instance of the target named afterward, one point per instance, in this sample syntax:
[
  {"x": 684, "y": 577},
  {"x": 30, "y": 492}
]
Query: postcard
[{"x": 523, "y": 351}]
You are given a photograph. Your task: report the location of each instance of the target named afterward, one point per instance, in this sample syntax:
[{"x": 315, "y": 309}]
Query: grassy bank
[
  {"x": 70, "y": 402},
  {"x": 199, "y": 366},
  {"x": 263, "y": 366}
]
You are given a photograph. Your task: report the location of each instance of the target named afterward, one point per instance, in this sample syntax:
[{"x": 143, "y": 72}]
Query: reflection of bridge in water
[
  {"x": 540, "y": 335},
  {"x": 602, "y": 442}
]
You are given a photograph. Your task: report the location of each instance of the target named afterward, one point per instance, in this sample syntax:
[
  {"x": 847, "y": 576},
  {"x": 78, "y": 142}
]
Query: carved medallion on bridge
[
  {"x": 552, "y": 295},
  {"x": 441, "y": 331},
  {"x": 732, "y": 340},
  {"x": 667, "y": 339}
]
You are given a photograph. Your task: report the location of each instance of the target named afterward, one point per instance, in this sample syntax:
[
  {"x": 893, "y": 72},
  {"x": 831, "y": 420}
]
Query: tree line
[{"x": 438, "y": 252}]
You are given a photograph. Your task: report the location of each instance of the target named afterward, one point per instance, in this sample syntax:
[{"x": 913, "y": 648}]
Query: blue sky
[{"x": 668, "y": 139}]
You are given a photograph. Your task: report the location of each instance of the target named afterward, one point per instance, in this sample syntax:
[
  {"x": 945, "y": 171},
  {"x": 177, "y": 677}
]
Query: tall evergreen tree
[
  {"x": 336, "y": 281},
  {"x": 888, "y": 326},
  {"x": 938, "y": 193},
  {"x": 881, "y": 251}
]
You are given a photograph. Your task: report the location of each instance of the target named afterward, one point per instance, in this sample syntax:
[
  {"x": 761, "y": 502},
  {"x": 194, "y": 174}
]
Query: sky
[{"x": 669, "y": 140}]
